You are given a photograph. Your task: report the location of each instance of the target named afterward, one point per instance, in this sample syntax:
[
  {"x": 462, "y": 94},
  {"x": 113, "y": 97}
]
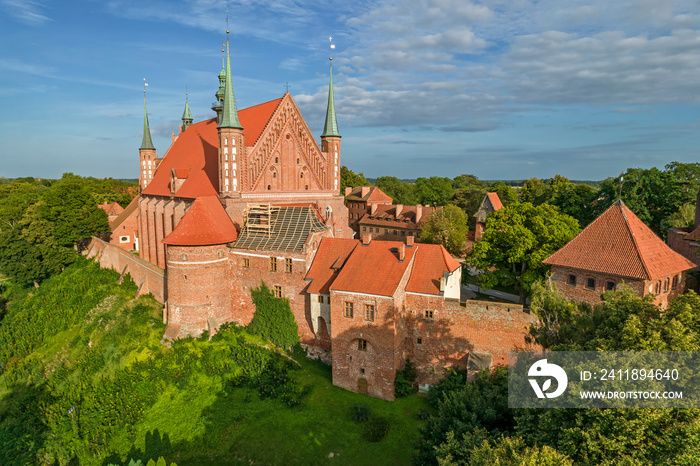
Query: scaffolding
[{"x": 257, "y": 219}]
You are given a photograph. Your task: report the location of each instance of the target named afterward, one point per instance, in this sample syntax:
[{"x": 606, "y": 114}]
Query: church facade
[{"x": 250, "y": 196}]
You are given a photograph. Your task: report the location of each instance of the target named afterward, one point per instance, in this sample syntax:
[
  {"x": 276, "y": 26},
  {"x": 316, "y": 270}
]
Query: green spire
[
  {"x": 186, "y": 116},
  {"x": 229, "y": 116},
  {"x": 331, "y": 126},
  {"x": 146, "y": 143}
]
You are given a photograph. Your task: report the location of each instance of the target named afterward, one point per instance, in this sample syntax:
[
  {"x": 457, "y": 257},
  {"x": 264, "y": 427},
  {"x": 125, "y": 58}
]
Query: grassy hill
[{"x": 86, "y": 380}]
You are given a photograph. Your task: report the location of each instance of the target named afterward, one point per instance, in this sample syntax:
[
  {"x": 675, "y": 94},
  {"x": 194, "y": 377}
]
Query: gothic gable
[{"x": 286, "y": 157}]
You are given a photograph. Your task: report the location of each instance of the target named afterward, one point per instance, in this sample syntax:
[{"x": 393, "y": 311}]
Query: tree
[
  {"x": 469, "y": 200},
  {"x": 400, "y": 191},
  {"x": 446, "y": 226},
  {"x": 505, "y": 193},
  {"x": 433, "y": 191},
  {"x": 348, "y": 179},
  {"x": 273, "y": 318},
  {"x": 516, "y": 240}
]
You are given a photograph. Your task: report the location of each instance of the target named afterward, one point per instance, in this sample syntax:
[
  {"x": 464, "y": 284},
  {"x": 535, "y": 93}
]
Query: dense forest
[{"x": 85, "y": 377}]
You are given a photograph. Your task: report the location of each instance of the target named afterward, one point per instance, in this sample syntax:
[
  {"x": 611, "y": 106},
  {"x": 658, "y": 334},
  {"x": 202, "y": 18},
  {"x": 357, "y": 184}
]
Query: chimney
[
  {"x": 366, "y": 238},
  {"x": 419, "y": 213},
  {"x": 373, "y": 209},
  {"x": 399, "y": 209},
  {"x": 348, "y": 190},
  {"x": 402, "y": 252},
  {"x": 364, "y": 191},
  {"x": 409, "y": 241}
]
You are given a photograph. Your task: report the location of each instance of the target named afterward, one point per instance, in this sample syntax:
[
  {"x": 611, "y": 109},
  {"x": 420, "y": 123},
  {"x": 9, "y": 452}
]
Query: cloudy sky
[{"x": 502, "y": 89}]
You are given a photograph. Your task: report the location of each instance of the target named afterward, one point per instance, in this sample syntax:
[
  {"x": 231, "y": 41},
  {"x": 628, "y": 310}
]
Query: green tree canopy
[
  {"x": 400, "y": 191},
  {"x": 446, "y": 226},
  {"x": 433, "y": 191},
  {"x": 349, "y": 179},
  {"x": 516, "y": 240}
]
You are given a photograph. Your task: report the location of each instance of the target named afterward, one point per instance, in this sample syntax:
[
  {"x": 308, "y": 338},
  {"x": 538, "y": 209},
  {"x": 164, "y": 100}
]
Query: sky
[{"x": 501, "y": 89}]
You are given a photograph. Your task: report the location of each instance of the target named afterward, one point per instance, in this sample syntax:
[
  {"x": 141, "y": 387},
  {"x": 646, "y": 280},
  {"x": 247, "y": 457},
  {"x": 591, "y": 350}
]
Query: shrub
[
  {"x": 376, "y": 429},
  {"x": 273, "y": 319},
  {"x": 403, "y": 383},
  {"x": 360, "y": 412}
]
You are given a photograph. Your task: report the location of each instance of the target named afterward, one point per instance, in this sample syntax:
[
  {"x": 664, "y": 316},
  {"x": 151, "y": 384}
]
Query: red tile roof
[
  {"x": 130, "y": 209},
  {"x": 495, "y": 201},
  {"x": 618, "y": 243},
  {"x": 205, "y": 223},
  {"x": 330, "y": 257},
  {"x": 197, "y": 149},
  {"x": 111, "y": 209},
  {"x": 432, "y": 261},
  {"x": 374, "y": 195},
  {"x": 385, "y": 216},
  {"x": 373, "y": 269}
]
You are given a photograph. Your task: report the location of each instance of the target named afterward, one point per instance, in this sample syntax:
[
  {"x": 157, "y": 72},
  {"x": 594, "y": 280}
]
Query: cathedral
[{"x": 250, "y": 196}]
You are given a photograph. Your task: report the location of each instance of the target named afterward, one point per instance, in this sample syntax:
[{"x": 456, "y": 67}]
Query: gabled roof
[
  {"x": 373, "y": 269},
  {"x": 330, "y": 258},
  {"x": 618, "y": 243},
  {"x": 126, "y": 213},
  {"x": 111, "y": 209},
  {"x": 374, "y": 194},
  {"x": 432, "y": 261},
  {"x": 205, "y": 223},
  {"x": 495, "y": 201},
  {"x": 197, "y": 149},
  {"x": 291, "y": 226},
  {"x": 385, "y": 216}
]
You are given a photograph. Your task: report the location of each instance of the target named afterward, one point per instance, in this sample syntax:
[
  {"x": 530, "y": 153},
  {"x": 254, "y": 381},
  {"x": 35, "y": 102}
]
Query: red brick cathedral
[{"x": 250, "y": 196}]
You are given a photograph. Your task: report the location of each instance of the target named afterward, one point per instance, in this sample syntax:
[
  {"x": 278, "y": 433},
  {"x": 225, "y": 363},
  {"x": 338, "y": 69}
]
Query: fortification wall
[{"x": 148, "y": 277}]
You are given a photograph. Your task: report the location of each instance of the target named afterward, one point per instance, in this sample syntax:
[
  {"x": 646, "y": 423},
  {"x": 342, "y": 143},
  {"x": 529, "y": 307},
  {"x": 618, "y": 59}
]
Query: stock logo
[{"x": 543, "y": 369}]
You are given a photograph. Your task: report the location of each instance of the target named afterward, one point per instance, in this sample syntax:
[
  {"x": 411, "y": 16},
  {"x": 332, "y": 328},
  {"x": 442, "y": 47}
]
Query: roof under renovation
[{"x": 281, "y": 229}]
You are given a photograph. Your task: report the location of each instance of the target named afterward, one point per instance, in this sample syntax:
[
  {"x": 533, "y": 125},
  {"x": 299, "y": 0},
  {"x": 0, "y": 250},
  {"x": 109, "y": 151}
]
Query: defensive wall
[{"x": 148, "y": 277}]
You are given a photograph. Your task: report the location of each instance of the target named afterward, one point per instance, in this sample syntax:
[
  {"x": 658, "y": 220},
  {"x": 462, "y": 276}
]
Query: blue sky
[{"x": 502, "y": 89}]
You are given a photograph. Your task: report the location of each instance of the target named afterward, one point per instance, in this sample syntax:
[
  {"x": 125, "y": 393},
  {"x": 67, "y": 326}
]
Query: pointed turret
[
  {"x": 147, "y": 151},
  {"x": 330, "y": 139},
  {"x": 218, "y": 104},
  {"x": 186, "y": 116},
  {"x": 146, "y": 143},
  {"x": 229, "y": 114},
  {"x": 331, "y": 126}
]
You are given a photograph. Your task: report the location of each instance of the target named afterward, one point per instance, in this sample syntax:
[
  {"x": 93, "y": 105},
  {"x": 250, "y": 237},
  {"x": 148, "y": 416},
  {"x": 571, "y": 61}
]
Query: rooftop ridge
[{"x": 637, "y": 247}]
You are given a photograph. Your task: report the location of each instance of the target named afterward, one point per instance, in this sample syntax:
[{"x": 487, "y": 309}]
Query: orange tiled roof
[
  {"x": 197, "y": 149},
  {"x": 374, "y": 195},
  {"x": 205, "y": 223},
  {"x": 618, "y": 243},
  {"x": 130, "y": 209},
  {"x": 385, "y": 217},
  {"x": 495, "y": 201},
  {"x": 432, "y": 261},
  {"x": 111, "y": 209},
  {"x": 330, "y": 257},
  {"x": 373, "y": 269}
]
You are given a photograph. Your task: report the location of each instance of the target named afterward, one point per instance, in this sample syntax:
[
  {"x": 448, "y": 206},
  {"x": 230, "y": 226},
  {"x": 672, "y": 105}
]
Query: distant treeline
[{"x": 513, "y": 183}]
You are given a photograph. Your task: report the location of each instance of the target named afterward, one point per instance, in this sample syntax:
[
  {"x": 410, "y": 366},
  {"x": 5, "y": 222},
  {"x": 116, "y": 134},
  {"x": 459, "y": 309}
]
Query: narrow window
[
  {"x": 362, "y": 345},
  {"x": 184, "y": 257},
  {"x": 369, "y": 312},
  {"x": 609, "y": 286},
  {"x": 572, "y": 280},
  {"x": 278, "y": 291},
  {"x": 288, "y": 265},
  {"x": 674, "y": 285},
  {"x": 348, "y": 309},
  {"x": 419, "y": 341},
  {"x": 246, "y": 262},
  {"x": 273, "y": 264},
  {"x": 428, "y": 314},
  {"x": 320, "y": 298},
  {"x": 590, "y": 283}
]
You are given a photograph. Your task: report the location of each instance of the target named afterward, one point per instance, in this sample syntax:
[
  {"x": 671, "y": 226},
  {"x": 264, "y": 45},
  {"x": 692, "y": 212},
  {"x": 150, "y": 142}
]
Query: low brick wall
[{"x": 148, "y": 277}]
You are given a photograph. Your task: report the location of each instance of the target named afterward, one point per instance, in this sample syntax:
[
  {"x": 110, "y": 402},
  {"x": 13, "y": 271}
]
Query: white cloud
[{"x": 26, "y": 11}]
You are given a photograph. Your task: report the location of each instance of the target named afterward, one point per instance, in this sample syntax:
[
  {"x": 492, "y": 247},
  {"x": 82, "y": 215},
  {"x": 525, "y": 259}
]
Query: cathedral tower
[
  {"x": 147, "y": 152},
  {"x": 186, "y": 116},
  {"x": 231, "y": 141},
  {"x": 330, "y": 139}
]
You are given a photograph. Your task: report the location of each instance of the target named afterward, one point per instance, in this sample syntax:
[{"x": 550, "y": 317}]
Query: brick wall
[
  {"x": 453, "y": 330},
  {"x": 580, "y": 292},
  {"x": 127, "y": 230},
  {"x": 148, "y": 277},
  {"x": 688, "y": 249}
]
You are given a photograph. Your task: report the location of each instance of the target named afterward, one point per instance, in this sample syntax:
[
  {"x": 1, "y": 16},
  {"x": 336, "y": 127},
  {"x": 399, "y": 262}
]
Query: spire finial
[
  {"x": 622, "y": 180},
  {"x": 229, "y": 113},
  {"x": 146, "y": 142},
  {"x": 330, "y": 128}
]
